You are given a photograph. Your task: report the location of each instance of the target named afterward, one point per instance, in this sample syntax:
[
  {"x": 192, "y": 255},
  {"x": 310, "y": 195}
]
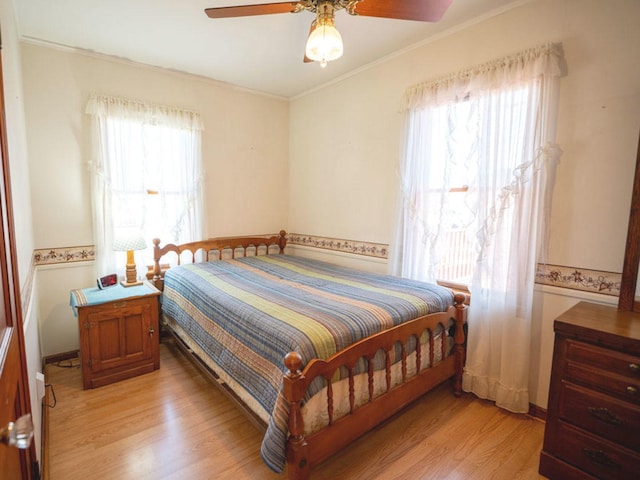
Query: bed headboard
[{"x": 201, "y": 251}]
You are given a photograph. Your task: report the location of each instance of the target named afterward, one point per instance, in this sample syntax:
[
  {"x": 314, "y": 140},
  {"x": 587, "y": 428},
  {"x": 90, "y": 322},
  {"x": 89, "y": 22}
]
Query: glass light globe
[{"x": 324, "y": 44}]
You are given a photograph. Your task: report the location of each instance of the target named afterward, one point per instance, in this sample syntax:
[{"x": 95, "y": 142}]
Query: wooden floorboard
[{"x": 174, "y": 424}]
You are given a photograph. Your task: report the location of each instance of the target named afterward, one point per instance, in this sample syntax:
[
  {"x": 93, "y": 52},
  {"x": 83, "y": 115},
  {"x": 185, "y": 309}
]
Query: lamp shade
[{"x": 129, "y": 242}]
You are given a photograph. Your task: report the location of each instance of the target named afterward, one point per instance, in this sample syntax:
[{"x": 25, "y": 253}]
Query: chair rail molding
[
  {"x": 573, "y": 278},
  {"x": 51, "y": 256}
]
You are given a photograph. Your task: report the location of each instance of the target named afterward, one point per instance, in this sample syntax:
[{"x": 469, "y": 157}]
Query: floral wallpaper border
[
  {"x": 51, "y": 256},
  {"x": 596, "y": 281},
  {"x": 574, "y": 278},
  {"x": 369, "y": 249}
]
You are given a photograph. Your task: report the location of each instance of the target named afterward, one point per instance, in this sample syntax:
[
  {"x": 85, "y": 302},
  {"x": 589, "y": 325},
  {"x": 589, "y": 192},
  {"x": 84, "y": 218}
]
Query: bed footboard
[{"x": 305, "y": 451}]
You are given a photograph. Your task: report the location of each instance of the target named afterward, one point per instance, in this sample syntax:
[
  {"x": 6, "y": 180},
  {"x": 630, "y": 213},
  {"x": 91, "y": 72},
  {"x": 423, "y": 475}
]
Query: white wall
[
  {"x": 343, "y": 170},
  {"x": 16, "y": 138},
  {"x": 366, "y": 263},
  {"x": 58, "y": 325},
  {"x": 34, "y": 365},
  {"x": 244, "y": 147}
]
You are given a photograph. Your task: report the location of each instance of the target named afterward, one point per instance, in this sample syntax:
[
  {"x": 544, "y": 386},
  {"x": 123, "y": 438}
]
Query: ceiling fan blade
[
  {"x": 420, "y": 10},
  {"x": 248, "y": 10}
]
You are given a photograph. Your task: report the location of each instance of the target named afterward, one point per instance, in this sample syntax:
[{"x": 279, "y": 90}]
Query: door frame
[{"x": 14, "y": 329}]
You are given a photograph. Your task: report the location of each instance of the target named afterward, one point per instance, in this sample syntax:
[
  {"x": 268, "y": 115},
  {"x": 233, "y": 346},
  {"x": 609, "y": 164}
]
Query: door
[{"x": 15, "y": 464}]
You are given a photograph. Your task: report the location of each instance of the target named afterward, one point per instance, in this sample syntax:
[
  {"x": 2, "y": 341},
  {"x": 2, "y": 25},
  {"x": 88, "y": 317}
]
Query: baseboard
[
  {"x": 59, "y": 357},
  {"x": 537, "y": 412}
]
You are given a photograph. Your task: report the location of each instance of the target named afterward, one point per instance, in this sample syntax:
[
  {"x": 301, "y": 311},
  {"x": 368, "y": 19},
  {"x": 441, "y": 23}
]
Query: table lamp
[{"x": 129, "y": 244}]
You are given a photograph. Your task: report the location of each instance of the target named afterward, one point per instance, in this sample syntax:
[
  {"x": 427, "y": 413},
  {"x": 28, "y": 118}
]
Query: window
[
  {"x": 477, "y": 174},
  {"x": 458, "y": 251},
  {"x": 466, "y": 144},
  {"x": 147, "y": 176}
]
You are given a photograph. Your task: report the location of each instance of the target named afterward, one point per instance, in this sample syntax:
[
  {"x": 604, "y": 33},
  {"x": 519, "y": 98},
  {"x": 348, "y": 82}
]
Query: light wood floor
[{"x": 174, "y": 424}]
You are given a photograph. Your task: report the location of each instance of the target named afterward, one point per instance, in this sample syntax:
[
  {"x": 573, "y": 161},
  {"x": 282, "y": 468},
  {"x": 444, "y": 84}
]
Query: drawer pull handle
[
  {"x": 635, "y": 368},
  {"x": 600, "y": 457},
  {"x": 605, "y": 415},
  {"x": 632, "y": 390}
]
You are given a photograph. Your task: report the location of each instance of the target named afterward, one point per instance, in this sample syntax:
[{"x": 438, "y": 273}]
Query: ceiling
[{"x": 263, "y": 53}]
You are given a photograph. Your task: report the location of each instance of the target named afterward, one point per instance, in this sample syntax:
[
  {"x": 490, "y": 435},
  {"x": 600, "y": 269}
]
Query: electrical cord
[
  {"x": 67, "y": 364},
  {"x": 53, "y": 394},
  {"x": 70, "y": 364}
]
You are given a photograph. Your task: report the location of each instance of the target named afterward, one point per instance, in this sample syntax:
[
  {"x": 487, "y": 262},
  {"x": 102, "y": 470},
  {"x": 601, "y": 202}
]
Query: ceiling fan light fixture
[{"x": 325, "y": 42}]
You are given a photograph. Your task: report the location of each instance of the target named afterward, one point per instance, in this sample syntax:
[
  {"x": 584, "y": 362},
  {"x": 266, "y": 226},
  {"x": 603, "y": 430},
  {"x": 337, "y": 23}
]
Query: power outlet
[{"x": 40, "y": 385}]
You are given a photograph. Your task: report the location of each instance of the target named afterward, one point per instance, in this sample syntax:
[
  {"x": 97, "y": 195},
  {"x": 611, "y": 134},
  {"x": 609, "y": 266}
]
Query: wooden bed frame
[{"x": 305, "y": 451}]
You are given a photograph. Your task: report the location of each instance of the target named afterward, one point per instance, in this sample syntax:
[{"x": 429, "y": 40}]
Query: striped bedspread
[{"x": 247, "y": 314}]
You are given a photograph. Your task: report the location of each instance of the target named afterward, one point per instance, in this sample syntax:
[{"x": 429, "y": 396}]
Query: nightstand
[{"x": 119, "y": 335}]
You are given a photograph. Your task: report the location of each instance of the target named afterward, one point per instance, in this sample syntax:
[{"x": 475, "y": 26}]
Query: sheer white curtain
[
  {"x": 146, "y": 174},
  {"x": 491, "y": 129}
]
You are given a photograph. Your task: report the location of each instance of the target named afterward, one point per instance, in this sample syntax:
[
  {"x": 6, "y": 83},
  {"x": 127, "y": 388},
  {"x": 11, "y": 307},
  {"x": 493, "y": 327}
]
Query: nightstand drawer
[
  {"x": 601, "y": 414},
  {"x": 601, "y": 458}
]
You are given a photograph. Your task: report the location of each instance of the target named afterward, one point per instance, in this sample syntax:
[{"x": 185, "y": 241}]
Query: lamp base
[{"x": 131, "y": 275}]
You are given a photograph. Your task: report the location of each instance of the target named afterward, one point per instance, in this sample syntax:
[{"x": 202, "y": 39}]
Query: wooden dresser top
[{"x": 605, "y": 324}]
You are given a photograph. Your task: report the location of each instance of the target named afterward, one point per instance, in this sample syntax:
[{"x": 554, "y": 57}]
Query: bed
[{"x": 315, "y": 353}]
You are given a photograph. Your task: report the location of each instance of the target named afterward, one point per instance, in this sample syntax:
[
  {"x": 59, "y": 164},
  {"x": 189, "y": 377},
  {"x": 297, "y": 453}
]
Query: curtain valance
[
  {"x": 517, "y": 68},
  {"x": 154, "y": 114}
]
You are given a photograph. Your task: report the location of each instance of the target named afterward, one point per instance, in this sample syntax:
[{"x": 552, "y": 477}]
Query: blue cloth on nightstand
[{"x": 95, "y": 296}]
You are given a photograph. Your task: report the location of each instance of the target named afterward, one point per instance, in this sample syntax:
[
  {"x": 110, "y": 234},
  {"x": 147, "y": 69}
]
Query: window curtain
[
  {"x": 491, "y": 128},
  {"x": 146, "y": 175}
]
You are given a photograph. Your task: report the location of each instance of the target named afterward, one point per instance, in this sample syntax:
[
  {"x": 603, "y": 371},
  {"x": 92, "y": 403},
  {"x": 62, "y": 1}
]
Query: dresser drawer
[
  {"x": 621, "y": 386},
  {"x": 603, "y": 459},
  {"x": 609, "y": 371},
  {"x": 612, "y": 361},
  {"x": 601, "y": 414}
]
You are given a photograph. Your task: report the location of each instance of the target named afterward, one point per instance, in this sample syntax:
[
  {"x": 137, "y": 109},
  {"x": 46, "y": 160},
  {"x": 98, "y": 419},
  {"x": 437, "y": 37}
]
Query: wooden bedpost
[
  {"x": 297, "y": 448},
  {"x": 459, "y": 341},
  {"x": 156, "y": 272},
  {"x": 282, "y": 241}
]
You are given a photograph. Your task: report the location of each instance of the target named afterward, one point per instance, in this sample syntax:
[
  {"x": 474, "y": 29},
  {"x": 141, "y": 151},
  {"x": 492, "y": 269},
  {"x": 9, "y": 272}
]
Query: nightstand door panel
[
  {"x": 136, "y": 336},
  {"x": 104, "y": 334},
  {"x": 119, "y": 337}
]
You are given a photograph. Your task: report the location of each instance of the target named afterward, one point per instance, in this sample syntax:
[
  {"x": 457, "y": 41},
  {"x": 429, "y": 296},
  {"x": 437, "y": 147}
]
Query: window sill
[{"x": 457, "y": 288}]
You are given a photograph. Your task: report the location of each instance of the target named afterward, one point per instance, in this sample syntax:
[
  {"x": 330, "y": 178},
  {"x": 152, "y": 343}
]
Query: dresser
[
  {"x": 593, "y": 416},
  {"x": 119, "y": 335}
]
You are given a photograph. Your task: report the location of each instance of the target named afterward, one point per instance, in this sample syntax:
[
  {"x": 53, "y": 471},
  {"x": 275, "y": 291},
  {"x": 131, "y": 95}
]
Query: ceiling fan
[{"x": 324, "y": 42}]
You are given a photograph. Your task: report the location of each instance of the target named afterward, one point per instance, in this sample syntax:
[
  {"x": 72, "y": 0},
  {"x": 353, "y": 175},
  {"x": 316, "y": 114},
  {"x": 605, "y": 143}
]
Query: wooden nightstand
[{"x": 119, "y": 335}]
